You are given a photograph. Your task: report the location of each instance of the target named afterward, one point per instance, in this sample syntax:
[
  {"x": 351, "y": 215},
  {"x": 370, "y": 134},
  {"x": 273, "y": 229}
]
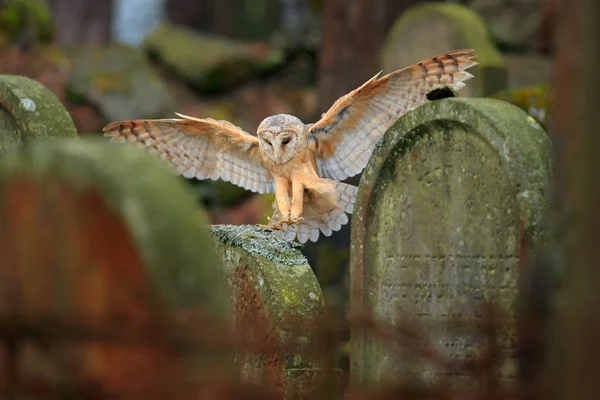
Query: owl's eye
[
  {"x": 286, "y": 141},
  {"x": 267, "y": 142}
]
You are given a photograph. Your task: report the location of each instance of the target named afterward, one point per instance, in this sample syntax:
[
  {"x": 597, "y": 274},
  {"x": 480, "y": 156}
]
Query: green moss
[
  {"x": 160, "y": 214},
  {"x": 269, "y": 244},
  {"x": 19, "y": 15}
]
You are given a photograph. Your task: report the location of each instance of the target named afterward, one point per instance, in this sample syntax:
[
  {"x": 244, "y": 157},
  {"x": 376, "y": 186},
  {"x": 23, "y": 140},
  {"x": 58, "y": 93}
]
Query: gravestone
[
  {"x": 426, "y": 30},
  {"x": 30, "y": 111},
  {"x": 276, "y": 301},
  {"x": 108, "y": 282},
  {"x": 449, "y": 200}
]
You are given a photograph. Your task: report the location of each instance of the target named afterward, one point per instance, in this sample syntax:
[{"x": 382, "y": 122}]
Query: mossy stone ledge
[{"x": 277, "y": 301}]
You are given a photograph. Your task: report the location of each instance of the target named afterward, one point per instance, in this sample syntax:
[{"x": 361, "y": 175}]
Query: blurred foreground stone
[
  {"x": 454, "y": 196},
  {"x": 29, "y": 111},
  {"x": 108, "y": 281},
  {"x": 427, "y": 30}
]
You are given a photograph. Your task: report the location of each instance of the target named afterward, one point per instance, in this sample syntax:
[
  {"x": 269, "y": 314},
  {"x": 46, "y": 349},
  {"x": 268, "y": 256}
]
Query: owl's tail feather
[{"x": 317, "y": 221}]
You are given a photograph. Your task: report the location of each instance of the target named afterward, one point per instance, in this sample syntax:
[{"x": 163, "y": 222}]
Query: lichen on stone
[{"x": 265, "y": 242}]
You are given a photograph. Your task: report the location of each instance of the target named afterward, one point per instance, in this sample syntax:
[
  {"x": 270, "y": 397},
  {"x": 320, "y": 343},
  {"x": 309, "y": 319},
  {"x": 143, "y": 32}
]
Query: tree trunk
[
  {"x": 82, "y": 22},
  {"x": 192, "y": 14},
  {"x": 353, "y": 32},
  {"x": 577, "y": 101}
]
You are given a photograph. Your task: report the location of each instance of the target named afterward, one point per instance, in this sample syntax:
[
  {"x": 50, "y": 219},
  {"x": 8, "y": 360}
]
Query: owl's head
[{"x": 281, "y": 137}]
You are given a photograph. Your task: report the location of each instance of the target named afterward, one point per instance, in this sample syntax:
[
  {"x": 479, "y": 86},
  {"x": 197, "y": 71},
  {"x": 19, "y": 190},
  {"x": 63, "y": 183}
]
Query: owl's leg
[
  {"x": 282, "y": 197},
  {"x": 297, "y": 202}
]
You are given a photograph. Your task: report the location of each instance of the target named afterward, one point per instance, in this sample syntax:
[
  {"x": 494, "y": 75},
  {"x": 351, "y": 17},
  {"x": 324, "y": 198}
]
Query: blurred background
[{"x": 243, "y": 60}]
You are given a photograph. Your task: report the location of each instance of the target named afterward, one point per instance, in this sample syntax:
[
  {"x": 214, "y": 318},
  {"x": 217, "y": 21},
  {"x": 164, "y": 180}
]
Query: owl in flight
[{"x": 302, "y": 164}]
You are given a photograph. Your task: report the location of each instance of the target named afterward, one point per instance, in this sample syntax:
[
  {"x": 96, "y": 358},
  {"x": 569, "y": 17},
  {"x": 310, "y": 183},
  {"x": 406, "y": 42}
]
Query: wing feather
[
  {"x": 199, "y": 148},
  {"x": 347, "y": 133}
]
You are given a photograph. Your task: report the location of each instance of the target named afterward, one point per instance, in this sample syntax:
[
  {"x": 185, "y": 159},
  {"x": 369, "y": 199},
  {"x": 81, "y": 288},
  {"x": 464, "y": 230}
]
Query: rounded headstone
[
  {"x": 108, "y": 278},
  {"x": 30, "y": 111},
  {"x": 277, "y": 302},
  {"x": 451, "y": 196},
  {"x": 425, "y": 30}
]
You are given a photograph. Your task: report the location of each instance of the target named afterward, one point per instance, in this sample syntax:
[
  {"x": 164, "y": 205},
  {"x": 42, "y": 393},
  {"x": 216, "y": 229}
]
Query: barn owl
[{"x": 303, "y": 164}]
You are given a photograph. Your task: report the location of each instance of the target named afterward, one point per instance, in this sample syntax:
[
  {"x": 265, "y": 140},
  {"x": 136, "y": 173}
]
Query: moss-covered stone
[
  {"x": 453, "y": 198},
  {"x": 428, "y": 29},
  {"x": 19, "y": 16},
  {"x": 277, "y": 301},
  {"x": 208, "y": 62},
  {"x": 30, "y": 112},
  {"x": 120, "y": 82},
  {"x": 104, "y": 243}
]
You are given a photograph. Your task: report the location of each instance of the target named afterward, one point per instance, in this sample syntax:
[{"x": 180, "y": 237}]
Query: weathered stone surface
[
  {"x": 30, "y": 111},
  {"x": 449, "y": 199},
  {"x": 512, "y": 22},
  {"x": 107, "y": 273},
  {"x": 210, "y": 63},
  {"x": 276, "y": 301},
  {"x": 120, "y": 83},
  {"x": 426, "y": 30}
]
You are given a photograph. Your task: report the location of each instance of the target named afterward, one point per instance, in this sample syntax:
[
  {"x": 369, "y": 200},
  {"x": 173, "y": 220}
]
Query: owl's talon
[
  {"x": 290, "y": 219},
  {"x": 294, "y": 219},
  {"x": 275, "y": 225}
]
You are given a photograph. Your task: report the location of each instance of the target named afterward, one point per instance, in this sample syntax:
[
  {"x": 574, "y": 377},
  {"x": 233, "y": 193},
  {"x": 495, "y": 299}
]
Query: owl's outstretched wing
[
  {"x": 200, "y": 148},
  {"x": 347, "y": 133}
]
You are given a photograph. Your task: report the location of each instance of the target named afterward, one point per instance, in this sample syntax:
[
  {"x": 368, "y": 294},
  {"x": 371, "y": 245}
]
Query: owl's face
[{"x": 281, "y": 137}]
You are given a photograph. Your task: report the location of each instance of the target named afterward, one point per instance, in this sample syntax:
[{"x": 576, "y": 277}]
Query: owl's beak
[{"x": 277, "y": 151}]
